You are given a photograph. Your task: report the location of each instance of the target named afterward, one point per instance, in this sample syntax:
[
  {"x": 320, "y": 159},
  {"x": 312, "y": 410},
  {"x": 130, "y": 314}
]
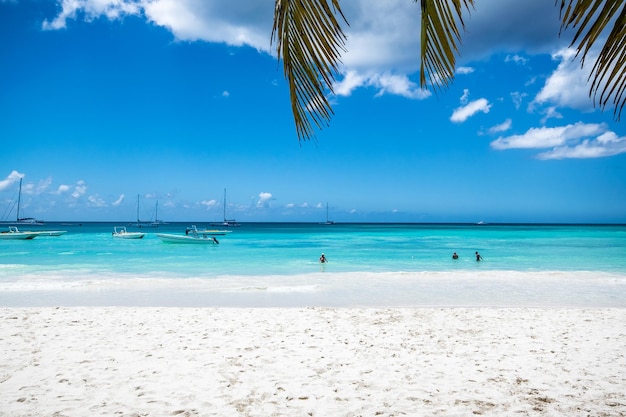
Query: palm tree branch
[
  {"x": 608, "y": 73},
  {"x": 309, "y": 41},
  {"x": 439, "y": 38}
]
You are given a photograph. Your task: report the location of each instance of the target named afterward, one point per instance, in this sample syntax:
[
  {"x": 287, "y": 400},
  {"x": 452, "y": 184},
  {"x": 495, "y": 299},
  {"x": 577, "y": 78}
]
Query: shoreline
[
  {"x": 322, "y": 289},
  {"x": 312, "y": 361}
]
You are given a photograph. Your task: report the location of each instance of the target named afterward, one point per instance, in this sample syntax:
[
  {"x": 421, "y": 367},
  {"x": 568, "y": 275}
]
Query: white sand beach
[{"x": 146, "y": 361}]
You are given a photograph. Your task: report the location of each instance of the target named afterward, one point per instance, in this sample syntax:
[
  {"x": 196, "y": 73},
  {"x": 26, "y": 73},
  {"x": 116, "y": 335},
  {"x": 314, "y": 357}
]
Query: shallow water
[{"x": 270, "y": 264}]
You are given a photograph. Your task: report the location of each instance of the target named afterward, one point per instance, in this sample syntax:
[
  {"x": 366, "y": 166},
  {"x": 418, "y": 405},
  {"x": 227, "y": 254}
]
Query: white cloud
[
  {"x": 463, "y": 113},
  {"x": 63, "y": 189},
  {"x": 383, "y": 37},
  {"x": 520, "y": 60},
  {"x": 264, "y": 199},
  {"x": 385, "y": 84},
  {"x": 351, "y": 81},
  {"x": 550, "y": 113},
  {"x": 91, "y": 10},
  {"x": 465, "y": 97},
  {"x": 502, "y": 127},
  {"x": 119, "y": 201},
  {"x": 95, "y": 201},
  {"x": 43, "y": 185},
  {"x": 607, "y": 144},
  {"x": 577, "y": 140},
  {"x": 546, "y": 137},
  {"x": 11, "y": 179},
  {"x": 79, "y": 189},
  {"x": 517, "y": 98},
  {"x": 464, "y": 70},
  {"x": 398, "y": 85},
  {"x": 567, "y": 85},
  {"x": 209, "y": 203}
]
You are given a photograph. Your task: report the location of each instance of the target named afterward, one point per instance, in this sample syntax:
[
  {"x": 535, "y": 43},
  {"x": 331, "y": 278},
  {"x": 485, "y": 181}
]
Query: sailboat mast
[
  {"x": 19, "y": 200},
  {"x": 224, "y": 204},
  {"x": 137, "y": 208}
]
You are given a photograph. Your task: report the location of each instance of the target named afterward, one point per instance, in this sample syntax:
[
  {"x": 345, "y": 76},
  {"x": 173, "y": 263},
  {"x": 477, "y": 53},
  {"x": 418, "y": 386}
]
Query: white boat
[
  {"x": 13, "y": 233},
  {"x": 122, "y": 233},
  {"x": 48, "y": 232},
  {"x": 192, "y": 235},
  {"x": 226, "y": 222},
  {"x": 213, "y": 232}
]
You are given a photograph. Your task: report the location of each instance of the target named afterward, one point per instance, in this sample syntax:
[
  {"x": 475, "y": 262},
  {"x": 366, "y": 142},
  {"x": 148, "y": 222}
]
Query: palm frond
[
  {"x": 608, "y": 74},
  {"x": 439, "y": 38},
  {"x": 309, "y": 41}
]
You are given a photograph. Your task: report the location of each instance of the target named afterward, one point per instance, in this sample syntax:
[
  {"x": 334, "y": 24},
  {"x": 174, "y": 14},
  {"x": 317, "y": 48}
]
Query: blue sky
[{"x": 177, "y": 100}]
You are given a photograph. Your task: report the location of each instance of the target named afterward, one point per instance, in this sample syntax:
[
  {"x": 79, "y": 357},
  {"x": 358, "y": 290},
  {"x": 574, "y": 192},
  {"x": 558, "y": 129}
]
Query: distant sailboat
[
  {"x": 31, "y": 221},
  {"x": 141, "y": 223},
  {"x": 226, "y": 222},
  {"x": 328, "y": 221},
  {"x": 23, "y": 220},
  {"x": 156, "y": 221}
]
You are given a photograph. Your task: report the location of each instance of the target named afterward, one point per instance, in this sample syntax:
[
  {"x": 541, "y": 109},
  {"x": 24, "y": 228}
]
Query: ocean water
[{"x": 275, "y": 264}]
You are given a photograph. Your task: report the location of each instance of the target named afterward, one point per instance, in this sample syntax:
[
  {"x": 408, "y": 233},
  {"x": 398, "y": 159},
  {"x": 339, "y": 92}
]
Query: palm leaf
[
  {"x": 309, "y": 41},
  {"x": 609, "y": 70},
  {"x": 439, "y": 38}
]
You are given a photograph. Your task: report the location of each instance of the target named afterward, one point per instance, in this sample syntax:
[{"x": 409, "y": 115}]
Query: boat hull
[
  {"x": 201, "y": 240},
  {"x": 50, "y": 232},
  {"x": 129, "y": 235},
  {"x": 14, "y": 233},
  {"x": 17, "y": 235}
]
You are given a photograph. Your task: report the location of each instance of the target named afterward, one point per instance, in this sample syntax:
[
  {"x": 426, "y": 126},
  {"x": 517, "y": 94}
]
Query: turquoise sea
[{"x": 276, "y": 264}]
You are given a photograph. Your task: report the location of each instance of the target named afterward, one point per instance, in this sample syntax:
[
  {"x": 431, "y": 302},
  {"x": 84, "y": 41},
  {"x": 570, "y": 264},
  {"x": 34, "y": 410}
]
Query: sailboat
[
  {"x": 29, "y": 221},
  {"x": 156, "y": 221},
  {"x": 23, "y": 220},
  {"x": 226, "y": 222},
  {"x": 327, "y": 222},
  {"x": 147, "y": 223},
  {"x": 140, "y": 223}
]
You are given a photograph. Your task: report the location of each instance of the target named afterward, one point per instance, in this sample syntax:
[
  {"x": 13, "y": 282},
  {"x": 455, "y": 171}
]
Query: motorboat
[
  {"x": 122, "y": 233},
  {"x": 192, "y": 235},
  {"x": 48, "y": 232},
  {"x": 14, "y": 233},
  {"x": 214, "y": 232}
]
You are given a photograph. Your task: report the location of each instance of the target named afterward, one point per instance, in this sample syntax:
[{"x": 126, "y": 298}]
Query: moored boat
[
  {"x": 192, "y": 235},
  {"x": 14, "y": 233},
  {"x": 328, "y": 221},
  {"x": 22, "y": 220},
  {"x": 122, "y": 233},
  {"x": 226, "y": 222},
  {"x": 213, "y": 232},
  {"x": 48, "y": 232}
]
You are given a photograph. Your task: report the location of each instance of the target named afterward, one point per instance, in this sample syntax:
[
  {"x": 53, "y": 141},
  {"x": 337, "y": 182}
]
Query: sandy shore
[{"x": 312, "y": 362}]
